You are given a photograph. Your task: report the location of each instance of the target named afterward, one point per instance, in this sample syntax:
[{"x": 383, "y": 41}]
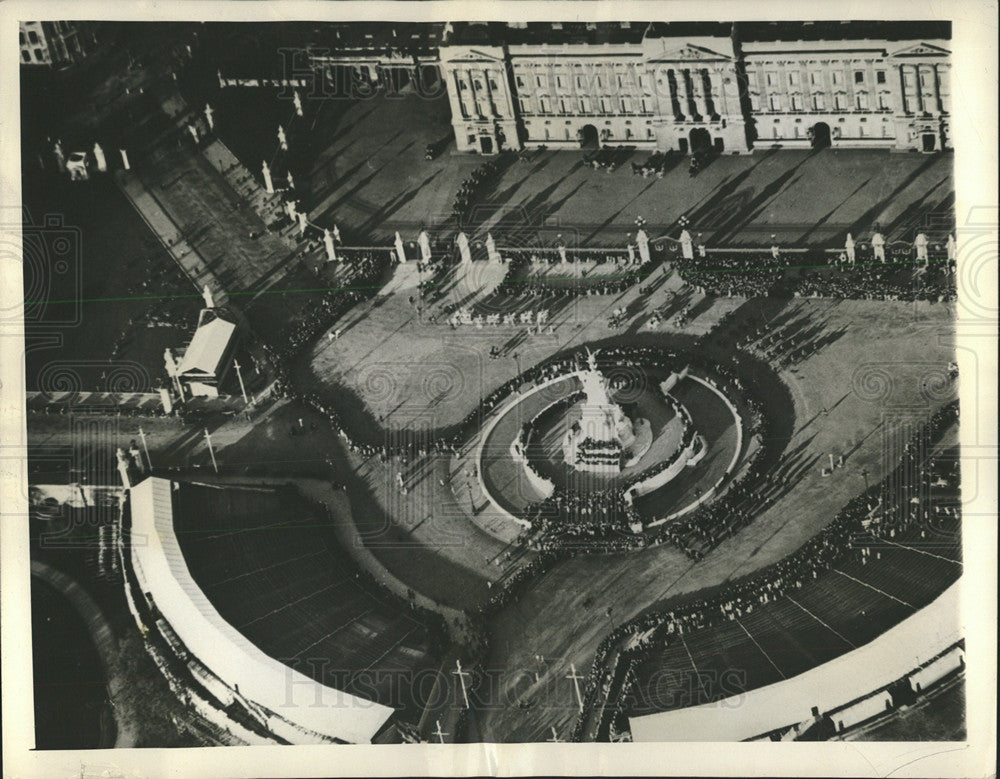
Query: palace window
[
  {"x": 772, "y": 78},
  {"x": 560, "y": 82},
  {"x": 545, "y": 105},
  {"x": 539, "y": 81},
  {"x": 626, "y": 105},
  {"x": 819, "y": 102},
  {"x": 879, "y": 76},
  {"x": 775, "y": 102},
  {"x": 493, "y": 84},
  {"x": 605, "y": 105},
  {"x": 861, "y": 101},
  {"x": 647, "y": 106},
  {"x": 815, "y": 78},
  {"x": 796, "y": 103},
  {"x": 520, "y": 81},
  {"x": 793, "y": 78},
  {"x": 564, "y": 105},
  {"x": 32, "y": 36},
  {"x": 754, "y": 102},
  {"x": 585, "y": 105},
  {"x": 883, "y": 101},
  {"x": 838, "y": 77},
  {"x": 838, "y": 101},
  {"x": 859, "y": 77}
]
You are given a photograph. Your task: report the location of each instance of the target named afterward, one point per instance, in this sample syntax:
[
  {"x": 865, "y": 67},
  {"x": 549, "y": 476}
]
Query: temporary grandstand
[
  {"x": 864, "y": 636},
  {"x": 260, "y": 617},
  {"x": 854, "y": 688}
]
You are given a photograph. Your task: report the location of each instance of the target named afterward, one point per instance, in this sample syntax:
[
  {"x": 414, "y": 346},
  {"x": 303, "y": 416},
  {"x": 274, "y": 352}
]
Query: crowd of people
[
  {"x": 749, "y": 275},
  {"x": 656, "y": 164},
  {"x": 935, "y": 282},
  {"x": 365, "y": 269},
  {"x": 880, "y": 512},
  {"x": 817, "y": 274},
  {"x": 476, "y": 185},
  {"x": 608, "y": 158}
]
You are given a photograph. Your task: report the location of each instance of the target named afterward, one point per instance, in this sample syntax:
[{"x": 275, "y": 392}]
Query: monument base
[
  {"x": 586, "y": 454},
  {"x": 642, "y": 440}
]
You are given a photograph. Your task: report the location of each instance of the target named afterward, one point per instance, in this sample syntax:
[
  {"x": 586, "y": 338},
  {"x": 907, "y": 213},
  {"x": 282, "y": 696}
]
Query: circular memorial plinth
[
  {"x": 685, "y": 444},
  {"x": 657, "y": 434}
]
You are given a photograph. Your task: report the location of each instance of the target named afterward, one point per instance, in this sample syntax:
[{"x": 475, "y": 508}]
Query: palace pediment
[
  {"x": 688, "y": 53},
  {"x": 469, "y": 56},
  {"x": 921, "y": 50}
]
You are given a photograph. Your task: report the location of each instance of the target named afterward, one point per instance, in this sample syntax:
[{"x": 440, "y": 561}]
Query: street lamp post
[
  {"x": 239, "y": 375},
  {"x": 149, "y": 461},
  {"x": 208, "y": 440}
]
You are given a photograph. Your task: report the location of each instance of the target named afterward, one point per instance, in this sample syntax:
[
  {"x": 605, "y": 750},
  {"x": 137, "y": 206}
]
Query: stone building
[
  {"x": 843, "y": 84},
  {"x": 54, "y": 44},
  {"x": 682, "y": 86}
]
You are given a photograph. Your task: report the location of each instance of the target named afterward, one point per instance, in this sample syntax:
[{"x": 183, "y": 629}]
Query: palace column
[
  {"x": 683, "y": 97},
  {"x": 718, "y": 98},
  {"x": 700, "y": 98}
]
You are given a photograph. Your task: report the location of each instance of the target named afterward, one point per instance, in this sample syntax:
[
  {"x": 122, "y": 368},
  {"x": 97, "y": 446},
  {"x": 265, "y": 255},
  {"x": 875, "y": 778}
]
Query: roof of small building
[{"x": 209, "y": 344}]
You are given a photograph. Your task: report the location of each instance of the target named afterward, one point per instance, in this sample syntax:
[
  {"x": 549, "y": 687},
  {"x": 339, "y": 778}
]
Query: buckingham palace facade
[
  {"x": 698, "y": 86},
  {"x": 683, "y": 86}
]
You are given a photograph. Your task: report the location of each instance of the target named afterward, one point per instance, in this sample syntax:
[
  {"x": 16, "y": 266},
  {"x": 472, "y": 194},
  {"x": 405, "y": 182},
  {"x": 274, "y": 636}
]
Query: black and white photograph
[{"x": 500, "y": 378}]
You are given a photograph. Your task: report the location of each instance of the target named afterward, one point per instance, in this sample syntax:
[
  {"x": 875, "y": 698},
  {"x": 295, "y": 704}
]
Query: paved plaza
[{"x": 372, "y": 178}]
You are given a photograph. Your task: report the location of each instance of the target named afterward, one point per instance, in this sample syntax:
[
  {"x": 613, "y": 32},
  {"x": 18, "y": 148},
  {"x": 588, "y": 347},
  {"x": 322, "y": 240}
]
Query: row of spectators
[
  {"x": 818, "y": 275},
  {"x": 881, "y": 512},
  {"x": 738, "y": 275},
  {"x": 480, "y": 181},
  {"x": 935, "y": 283}
]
